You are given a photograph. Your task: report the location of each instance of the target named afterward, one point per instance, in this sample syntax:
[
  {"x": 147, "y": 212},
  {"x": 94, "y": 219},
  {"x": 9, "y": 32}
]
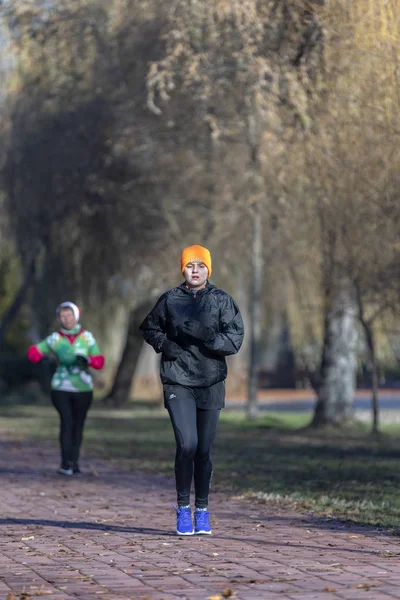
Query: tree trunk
[
  {"x": 18, "y": 301},
  {"x": 210, "y": 217},
  {"x": 336, "y": 388},
  {"x": 255, "y": 314},
  {"x": 369, "y": 335},
  {"x": 374, "y": 367},
  {"x": 122, "y": 385},
  {"x": 370, "y": 339}
]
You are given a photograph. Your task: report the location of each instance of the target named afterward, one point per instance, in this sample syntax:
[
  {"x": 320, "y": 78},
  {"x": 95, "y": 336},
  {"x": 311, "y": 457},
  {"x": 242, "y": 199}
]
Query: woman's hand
[
  {"x": 81, "y": 361},
  {"x": 197, "y": 330},
  {"x": 171, "y": 350}
]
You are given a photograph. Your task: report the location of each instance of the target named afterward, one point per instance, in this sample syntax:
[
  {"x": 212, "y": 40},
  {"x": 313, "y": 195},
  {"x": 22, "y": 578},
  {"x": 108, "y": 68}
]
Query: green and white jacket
[{"x": 67, "y": 345}]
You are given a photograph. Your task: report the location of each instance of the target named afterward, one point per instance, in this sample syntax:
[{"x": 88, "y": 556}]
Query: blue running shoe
[
  {"x": 184, "y": 525},
  {"x": 202, "y": 522}
]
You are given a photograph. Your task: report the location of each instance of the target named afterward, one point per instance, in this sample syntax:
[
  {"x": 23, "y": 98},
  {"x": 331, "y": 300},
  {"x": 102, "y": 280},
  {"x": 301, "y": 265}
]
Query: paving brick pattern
[{"x": 108, "y": 534}]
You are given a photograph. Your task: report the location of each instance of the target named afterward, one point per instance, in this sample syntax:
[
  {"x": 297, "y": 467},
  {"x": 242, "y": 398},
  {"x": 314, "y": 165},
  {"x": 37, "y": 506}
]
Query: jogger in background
[
  {"x": 72, "y": 385},
  {"x": 195, "y": 326}
]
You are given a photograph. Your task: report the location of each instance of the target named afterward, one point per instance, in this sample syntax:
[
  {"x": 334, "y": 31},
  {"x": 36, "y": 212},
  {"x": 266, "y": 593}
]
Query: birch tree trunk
[{"x": 336, "y": 388}]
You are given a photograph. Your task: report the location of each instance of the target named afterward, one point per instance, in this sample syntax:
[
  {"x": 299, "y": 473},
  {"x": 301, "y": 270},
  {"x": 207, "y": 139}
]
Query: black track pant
[
  {"x": 194, "y": 430},
  {"x": 72, "y": 407}
]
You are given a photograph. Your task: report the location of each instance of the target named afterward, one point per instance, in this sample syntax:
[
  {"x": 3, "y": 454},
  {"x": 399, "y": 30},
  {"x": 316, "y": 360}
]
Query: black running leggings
[
  {"x": 72, "y": 408},
  {"x": 194, "y": 430}
]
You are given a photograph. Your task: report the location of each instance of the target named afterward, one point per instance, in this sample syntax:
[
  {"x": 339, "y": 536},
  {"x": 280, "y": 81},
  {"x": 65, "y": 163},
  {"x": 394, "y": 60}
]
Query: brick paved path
[{"x": 107, "y": 535}]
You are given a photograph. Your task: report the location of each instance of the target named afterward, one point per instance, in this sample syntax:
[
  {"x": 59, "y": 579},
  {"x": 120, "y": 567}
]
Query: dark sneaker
[
  {"x": 184, "y": 525},
  {"x": 202, "y": 522},
  {"x": 65, "y": 469},
  {"x": 75, "y": 468}
]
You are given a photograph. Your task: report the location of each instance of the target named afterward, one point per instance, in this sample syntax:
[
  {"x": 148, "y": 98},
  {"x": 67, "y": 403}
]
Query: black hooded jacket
[{"x": 201, "y": 363}]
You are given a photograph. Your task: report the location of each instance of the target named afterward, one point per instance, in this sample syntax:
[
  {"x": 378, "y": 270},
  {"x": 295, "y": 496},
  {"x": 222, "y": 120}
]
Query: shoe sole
[
  {"x": 187, "y": 533},
  {"x": 67, "y": 473},
  {"x": 202, "y": 532}
]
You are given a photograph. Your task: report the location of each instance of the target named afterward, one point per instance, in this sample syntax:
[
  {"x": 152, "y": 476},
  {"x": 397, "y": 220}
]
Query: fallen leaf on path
[
  {"x": 329, "y": 590},
  {"x": 36, "y": 591},
  {"x": 29, "y": 537},
  {"x": 283, "y": 579},
  {"x": 10, "y": 596},
  {"x": 364, "y": 586},
  {"x": 227, "y": 593},
  {"x": 353, "y": 536},
  {"x": 256, "y": 581}
]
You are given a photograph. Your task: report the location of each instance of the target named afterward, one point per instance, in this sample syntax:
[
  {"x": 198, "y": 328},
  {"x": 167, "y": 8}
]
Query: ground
[{"x": 108, "y": 534}]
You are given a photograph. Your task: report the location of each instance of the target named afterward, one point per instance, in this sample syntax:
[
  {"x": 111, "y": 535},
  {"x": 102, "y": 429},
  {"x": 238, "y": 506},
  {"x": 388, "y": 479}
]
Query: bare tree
[{"x": 240, "y": 66}]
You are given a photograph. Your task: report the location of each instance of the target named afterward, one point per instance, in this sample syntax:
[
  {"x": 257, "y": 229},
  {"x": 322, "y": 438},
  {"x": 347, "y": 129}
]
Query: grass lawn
[{"x": 346, "y": 474}]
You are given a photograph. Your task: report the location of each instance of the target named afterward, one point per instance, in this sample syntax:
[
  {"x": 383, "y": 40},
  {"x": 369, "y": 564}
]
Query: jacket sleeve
[
  {"x": 153, "y": 327},
  {"x": 36, "y": 352},
  {"x": 229, "y": 340},
  {"x": 96, "y": 359}
]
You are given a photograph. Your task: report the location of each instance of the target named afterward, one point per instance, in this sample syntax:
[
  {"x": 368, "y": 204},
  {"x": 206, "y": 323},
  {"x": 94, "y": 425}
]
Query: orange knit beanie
[{"x": 196, "y": 254}]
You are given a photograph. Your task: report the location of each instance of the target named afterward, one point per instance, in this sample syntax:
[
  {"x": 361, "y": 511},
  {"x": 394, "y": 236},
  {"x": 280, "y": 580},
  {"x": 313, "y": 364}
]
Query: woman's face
[
  {"x": 67, "y": 318},
  {"x": 196, "y": 275}
]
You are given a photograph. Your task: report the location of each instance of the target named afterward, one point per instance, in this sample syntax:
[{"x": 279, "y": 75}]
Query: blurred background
[{"x": 267, "y": 131}]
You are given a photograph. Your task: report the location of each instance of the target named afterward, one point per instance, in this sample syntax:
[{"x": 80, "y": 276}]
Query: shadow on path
[{"x": 85, "y": 525}]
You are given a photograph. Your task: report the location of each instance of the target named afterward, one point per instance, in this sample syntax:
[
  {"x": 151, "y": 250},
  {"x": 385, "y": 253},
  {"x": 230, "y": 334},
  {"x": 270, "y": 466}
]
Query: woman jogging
[
  {"x": 72, "y": 384},
  {"x": 194, "y": 326}
]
